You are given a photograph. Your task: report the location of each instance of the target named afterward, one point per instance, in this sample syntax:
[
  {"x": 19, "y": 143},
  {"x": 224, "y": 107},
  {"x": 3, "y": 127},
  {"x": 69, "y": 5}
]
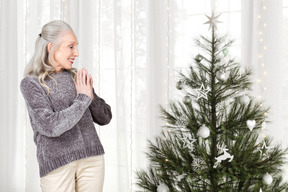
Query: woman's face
[{"x": 64, "y": 56}]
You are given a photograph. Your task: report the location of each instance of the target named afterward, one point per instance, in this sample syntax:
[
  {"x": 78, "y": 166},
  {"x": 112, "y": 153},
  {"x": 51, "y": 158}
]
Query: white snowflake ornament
[{"x": 197, "y": 163}]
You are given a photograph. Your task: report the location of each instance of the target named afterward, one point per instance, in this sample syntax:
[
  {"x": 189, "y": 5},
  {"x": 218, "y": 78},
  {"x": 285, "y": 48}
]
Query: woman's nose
[{"x": 76, "y": 53}]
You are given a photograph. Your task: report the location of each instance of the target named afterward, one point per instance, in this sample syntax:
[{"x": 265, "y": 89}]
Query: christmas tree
[{"x": 211, "y": 140}]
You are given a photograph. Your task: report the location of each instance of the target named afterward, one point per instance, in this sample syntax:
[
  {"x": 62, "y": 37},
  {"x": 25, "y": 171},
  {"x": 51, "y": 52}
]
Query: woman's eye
[{"x": 71, "y": 47}]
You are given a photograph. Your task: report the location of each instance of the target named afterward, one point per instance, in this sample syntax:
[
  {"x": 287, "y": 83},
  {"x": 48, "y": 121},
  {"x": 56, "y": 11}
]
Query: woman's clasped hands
[{"x": 84, "y": 83}]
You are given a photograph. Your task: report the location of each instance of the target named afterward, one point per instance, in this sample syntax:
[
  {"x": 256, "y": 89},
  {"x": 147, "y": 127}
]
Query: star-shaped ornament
[
  {"x": 187, "y": 143},
  {"x": 202, "y": 92},
  {"x": 264, "y": 146},
  {"x": 212, "y": 21}
]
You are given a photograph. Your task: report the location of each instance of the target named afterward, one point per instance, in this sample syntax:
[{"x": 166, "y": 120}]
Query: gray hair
[{"x": 40, "y": 64}]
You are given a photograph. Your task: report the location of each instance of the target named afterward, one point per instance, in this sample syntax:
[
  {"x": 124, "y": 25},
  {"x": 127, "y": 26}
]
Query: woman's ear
[{"x": 49, "y": 47}]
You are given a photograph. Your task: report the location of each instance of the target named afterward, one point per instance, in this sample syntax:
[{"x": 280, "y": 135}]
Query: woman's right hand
[{"x": 84, "y": 83}]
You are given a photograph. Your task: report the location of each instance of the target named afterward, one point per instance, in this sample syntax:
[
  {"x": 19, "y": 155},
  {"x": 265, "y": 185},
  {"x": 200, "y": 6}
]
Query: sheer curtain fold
[
  {"x": 12, "y": 153},
  {"x": 263, "y": 42},
  {"x": 262, "y": 52},
  {"x": 114, "y": 45}
]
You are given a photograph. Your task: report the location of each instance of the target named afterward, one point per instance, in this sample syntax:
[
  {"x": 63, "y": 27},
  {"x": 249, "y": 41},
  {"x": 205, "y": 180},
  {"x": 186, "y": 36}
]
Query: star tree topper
[{"x": 212, "y": 21}]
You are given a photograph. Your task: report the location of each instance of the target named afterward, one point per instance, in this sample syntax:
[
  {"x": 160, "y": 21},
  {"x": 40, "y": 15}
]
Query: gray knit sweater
[{"x": 62, "y": 121}]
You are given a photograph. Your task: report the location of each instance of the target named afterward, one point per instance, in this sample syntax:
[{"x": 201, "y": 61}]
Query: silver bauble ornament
[
  {"x": 221, "y": 76},
  {"x": 203, "y": 132},
  {"x": 268, "y": 179},
  {"x": 162, "y": 188},
  {"x": 244, "y": 99},
  {"x": 198, "y": 58},
  {"x": 179, "y": 85},
  {"x": 187, "y": 100}
]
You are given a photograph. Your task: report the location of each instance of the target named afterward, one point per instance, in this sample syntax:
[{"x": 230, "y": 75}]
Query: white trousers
[{"x": 84, "y": 175}]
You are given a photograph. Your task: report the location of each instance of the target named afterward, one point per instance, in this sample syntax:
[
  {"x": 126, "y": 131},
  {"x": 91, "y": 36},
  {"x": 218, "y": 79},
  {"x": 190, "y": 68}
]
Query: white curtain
[
  {"x": 116, "y": 45},
  {"x": 134, "y": 50},
  {"x": 264, "y": 50},
  {"x": 12, "y": 115},
  {"x": 263, "y": 46}
]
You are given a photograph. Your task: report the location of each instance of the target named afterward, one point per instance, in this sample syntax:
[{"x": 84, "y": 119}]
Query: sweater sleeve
[
  {"x": 44, "y": 119},
  {"x": 101, "y": 112}
]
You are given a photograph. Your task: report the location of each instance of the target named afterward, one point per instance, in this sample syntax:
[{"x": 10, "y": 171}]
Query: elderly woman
[{"x": 62, "y": 107}]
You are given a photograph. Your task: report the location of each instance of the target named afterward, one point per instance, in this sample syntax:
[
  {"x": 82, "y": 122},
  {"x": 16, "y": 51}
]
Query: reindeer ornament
[{"x": 223, "y": 157}]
